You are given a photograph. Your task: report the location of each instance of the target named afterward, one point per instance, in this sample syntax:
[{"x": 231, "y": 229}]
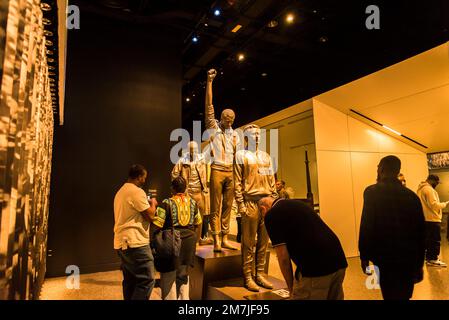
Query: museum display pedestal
[
  {"x": 232, "y": 289},
  {"x": 211, "y": 267}
]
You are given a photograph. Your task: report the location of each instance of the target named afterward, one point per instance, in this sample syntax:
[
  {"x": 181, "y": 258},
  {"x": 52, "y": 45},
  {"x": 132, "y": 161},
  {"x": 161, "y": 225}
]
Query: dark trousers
[
  {"x": 395, "y": 284},
  {"x": 138, "y": 272},
  {"x": 433, "y": 240},
  {"x": 205, "y": 227}
]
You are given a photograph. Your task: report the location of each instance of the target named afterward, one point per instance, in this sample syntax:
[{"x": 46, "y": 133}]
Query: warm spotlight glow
[
  {"x": 241, "y": 57},
  {"x": 187, "y": 99},
  {"x": 195, "y": 39},
  {"x": 217, "y": 12},
  {"x": 394, "y": 131},
  {"x": 290, "y": 18},
  {"x": 237, "y": 28}
]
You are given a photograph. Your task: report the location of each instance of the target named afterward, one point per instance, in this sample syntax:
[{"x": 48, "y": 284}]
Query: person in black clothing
[
  {"x": 392, "y": 232},
  {"x": 298, "y": 234}
]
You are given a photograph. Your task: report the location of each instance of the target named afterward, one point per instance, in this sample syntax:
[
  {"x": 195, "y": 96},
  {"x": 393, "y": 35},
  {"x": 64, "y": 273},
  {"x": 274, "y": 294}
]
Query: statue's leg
[
  {"x": 216, "y": 195},
  {"x": 261, "y": 251},
  {"x": 249, "y": 231},
  {"x": 228, "y": 198}
]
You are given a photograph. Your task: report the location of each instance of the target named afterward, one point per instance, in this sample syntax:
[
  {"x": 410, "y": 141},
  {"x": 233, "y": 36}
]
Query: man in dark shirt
[
  {"x": 392, "y": 232},
  {"x": 298, "y": 234}
]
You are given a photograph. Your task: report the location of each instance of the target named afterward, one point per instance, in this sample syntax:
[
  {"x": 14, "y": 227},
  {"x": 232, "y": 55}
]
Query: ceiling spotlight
[
  {"x": 290, "y": 18},
  {"x": 187, "y": 99},
  {"x": 240, "y": 57},
  {"x": 272, "y": 24},
  {"x": 323, "y": 39},
  {"x": 217, "y": 12},
  {"x": 195, "y": 39},
  {"x": 264, "y": 74}
]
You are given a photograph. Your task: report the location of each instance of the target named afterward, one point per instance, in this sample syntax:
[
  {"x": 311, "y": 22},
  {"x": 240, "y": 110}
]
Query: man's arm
[
  {"x": 365, "y": 233},
  {"x": 238, "y": 182},
  {"x": 286, "y": 265},
  {"x": 432, "y": 201},
  {"x": 272, "y": 181},
  {"x": 176, "y": 171},
  {"x": 150, "y": 213},
  {"x": 211, "y": 123},
  {"x": 420, "y": 238}
]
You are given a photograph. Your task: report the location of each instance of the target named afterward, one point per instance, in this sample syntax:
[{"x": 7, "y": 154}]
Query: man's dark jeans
[
  {"x": 138, "y": 272},
  {"x": 433, "y": 240},
  {"x": 395, "y": 284}
]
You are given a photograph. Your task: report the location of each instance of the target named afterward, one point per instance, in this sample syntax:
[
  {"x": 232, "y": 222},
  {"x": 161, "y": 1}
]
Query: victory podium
[{"x": 218, "y": 275}]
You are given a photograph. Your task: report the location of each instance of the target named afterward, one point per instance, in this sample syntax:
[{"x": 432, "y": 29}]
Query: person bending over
[{"x": 298, "y": 234}]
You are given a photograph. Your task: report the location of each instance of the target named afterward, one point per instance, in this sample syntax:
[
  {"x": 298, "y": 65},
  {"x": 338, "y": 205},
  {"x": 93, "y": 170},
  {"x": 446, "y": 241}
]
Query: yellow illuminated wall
[{"x": 348, "y": 152}]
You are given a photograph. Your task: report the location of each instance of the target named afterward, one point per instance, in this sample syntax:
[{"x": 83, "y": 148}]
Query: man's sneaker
[{"x": 436, "y": 263}]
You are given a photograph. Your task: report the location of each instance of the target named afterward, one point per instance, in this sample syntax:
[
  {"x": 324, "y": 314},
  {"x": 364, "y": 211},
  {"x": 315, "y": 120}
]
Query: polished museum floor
[{"x": 107, "y": 285}]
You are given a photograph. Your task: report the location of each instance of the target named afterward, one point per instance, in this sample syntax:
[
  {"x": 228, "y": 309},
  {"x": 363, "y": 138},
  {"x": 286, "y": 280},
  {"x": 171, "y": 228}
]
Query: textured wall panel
[{"x": 26, "y": 137}]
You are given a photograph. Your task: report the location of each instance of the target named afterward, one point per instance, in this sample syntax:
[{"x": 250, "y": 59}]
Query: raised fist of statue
[{"x": 211, "y": 74}]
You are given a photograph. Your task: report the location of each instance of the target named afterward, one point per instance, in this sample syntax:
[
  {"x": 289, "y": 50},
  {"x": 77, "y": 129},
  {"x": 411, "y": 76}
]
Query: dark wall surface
[{"x": 123, "y": 99}]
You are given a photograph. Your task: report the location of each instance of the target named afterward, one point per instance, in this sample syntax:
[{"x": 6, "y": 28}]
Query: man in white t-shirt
[{"x": 133, "y": 214}]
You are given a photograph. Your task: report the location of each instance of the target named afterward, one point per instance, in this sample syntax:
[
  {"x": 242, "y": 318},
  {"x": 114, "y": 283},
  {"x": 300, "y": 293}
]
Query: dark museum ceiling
[{"x": 326, "y": 45}]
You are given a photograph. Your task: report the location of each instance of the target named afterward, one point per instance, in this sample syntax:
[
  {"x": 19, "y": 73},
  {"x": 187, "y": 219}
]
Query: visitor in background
[
  {"x": 401, "y": 178},
  {"x": 433, "y": 215},
  {"x": 392, "y": 232},
  {"x": 298, "y": 234},
  {"x": 180, "y": 211},
  {"x": 133, "y": 213},
  {"x": 280, "y": 188}
]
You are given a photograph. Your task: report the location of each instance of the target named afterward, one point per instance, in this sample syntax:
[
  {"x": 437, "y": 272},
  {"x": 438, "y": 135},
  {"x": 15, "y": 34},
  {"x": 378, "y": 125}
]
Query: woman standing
[{"x": 181, "y": 212}]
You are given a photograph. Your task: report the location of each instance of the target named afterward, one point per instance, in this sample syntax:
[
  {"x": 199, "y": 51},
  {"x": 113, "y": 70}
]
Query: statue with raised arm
[
  {"x": 254, "y": 180},
  {"x": 223, "y": 145}
]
